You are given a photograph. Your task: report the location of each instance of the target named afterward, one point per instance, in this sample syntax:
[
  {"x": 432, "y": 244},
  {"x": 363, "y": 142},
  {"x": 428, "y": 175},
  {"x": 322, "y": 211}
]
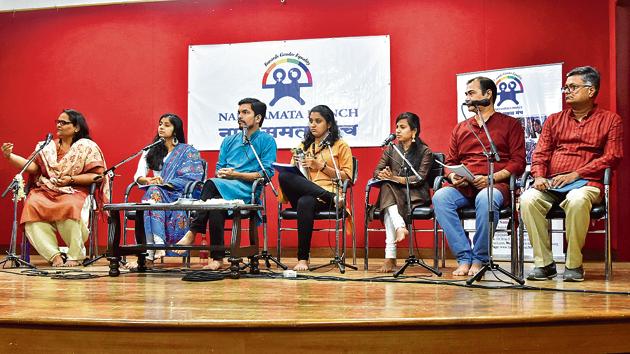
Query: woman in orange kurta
[
  {"x": 63, "y": 172},
  {"x": 318, "y": 191}
]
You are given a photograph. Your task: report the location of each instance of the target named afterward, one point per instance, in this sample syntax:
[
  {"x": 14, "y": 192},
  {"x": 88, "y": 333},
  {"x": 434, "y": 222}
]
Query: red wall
[{"x": 124, "y": 65}]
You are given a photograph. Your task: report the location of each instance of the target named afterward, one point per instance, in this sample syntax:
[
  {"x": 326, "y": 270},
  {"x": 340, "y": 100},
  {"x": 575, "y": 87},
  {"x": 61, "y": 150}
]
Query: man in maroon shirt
[
  {"x": 465, "y": 148},
  {"x": 574, "y": 149}
]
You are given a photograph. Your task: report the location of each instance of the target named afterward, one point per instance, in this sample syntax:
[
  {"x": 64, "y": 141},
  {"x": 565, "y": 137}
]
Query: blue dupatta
[{"x": 183, "y": 165}]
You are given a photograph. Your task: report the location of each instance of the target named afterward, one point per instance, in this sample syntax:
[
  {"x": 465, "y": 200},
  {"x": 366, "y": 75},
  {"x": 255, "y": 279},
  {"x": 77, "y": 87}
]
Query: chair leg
[
  {"x": 366, "y": 240},
  {"x": 607, "y": 248},
  {"x": 279, "y": 239},
  {"x": 436, "y": 245}
]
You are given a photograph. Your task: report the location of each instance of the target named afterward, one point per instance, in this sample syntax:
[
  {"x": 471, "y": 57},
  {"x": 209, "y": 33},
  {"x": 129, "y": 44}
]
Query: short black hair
[
  {"x": 589, "y": 75},
  {"x": 486, "y": 84},
  {"x": 258, "y": 107},
  {"x": 78, "y": 120}
]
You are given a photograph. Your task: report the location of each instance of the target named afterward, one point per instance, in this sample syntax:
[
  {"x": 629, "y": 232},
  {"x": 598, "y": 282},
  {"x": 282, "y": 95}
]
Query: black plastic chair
[
  {"x": 505, "y": 212},
  {"x": 598, "y": 212},
  {"x": 92, "y": 226},
  {"x": 422, "y": 212},
  {"x": 340, "y": 218},
  {"x": 131, "y": 214}
]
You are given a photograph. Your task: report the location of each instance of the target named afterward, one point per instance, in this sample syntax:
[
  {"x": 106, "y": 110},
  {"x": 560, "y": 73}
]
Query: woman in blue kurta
[
  {"x": 236, "y": 171},
  {"x": 172, "y": 165}
]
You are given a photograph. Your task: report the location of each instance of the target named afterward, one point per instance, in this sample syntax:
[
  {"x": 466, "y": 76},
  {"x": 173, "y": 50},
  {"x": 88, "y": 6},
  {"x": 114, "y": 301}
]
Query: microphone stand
[
  {"x": 492, "y": 156},
  {"x": 339, "y": 259},
  {"x": 14, "y": 187},
  {"x": 110, "y": 173},
  {"x": 266, "y": 180},
  {"x": 411, "y": 259}
]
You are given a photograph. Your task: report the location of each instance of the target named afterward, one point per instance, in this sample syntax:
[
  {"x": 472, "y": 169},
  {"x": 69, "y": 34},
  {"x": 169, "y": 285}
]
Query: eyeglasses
[
  {"x": 573, "y": 88},
  {"x": 63, "y": 123}
]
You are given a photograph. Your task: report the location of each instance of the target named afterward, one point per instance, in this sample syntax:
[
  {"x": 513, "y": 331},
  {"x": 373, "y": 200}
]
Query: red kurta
[
  {"x": 587, "y": 147},
  {"x": 509, "y": 138}
]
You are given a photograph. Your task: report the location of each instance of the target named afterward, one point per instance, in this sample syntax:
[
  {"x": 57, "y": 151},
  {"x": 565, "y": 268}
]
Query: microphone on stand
[
  {"x": 324, "y": 142},
  {"x": 482, "y": 103},
  {"x": 389, "y": 139},
  {"x": 49, "y": 137},
  {"x": 157, "y": 142}
]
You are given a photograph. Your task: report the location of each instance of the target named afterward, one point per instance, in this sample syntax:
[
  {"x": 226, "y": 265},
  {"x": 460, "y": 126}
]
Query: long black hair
[
  {"x": 413, "y": 154},
  {"x": 329, "y": 116},
  {"x": 155, "y": 156},
  {"x": 78, "y": 120}
]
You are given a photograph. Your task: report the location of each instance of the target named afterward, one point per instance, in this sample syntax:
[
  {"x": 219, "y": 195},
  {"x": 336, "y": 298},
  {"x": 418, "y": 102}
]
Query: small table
[{"x": 115, "y": 251}]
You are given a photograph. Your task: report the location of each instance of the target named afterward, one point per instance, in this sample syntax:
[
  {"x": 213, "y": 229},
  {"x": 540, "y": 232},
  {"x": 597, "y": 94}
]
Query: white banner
[
  {"x": 530, "y": 94},
  {"x": 350, "y": 75}
]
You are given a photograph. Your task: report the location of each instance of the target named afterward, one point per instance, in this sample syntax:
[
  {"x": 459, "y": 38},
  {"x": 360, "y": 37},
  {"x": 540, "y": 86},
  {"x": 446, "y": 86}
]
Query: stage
[{"x": 159, "y": 312}]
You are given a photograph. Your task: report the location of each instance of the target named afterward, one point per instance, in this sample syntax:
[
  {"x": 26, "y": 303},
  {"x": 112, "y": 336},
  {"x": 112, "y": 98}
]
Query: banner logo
[
  {"x": 289, "y": 74},
  {"x": 508, "y": 86}
]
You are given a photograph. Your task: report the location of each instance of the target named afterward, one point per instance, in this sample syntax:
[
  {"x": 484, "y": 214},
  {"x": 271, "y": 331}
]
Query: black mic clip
[{"x": 477, "y": 103}]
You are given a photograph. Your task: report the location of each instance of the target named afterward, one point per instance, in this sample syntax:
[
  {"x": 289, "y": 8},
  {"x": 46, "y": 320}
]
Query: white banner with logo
[
  {"x": 530, "y": 94},
  {"x": 350, "y": 75}
]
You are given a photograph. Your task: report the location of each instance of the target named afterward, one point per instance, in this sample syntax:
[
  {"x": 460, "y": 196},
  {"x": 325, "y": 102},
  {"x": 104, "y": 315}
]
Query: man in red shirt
[
  {"x": 465, "y": 148},
  {"x": 574, "y": 149}
]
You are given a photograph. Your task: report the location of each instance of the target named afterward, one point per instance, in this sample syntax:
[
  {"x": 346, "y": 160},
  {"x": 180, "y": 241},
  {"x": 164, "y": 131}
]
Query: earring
[
  {"x": 175, "y": 141},
  {"x": 413, "y": 139}
]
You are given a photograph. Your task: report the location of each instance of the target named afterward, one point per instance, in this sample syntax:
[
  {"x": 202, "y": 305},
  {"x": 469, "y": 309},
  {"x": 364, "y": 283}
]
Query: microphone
[
  {"x": 324, "y": 141},
  {"x": 49, "y": 137},
  {"x": 157, "y": 142},
  {"x": 483, "y": 102},
  {"x": 244, "y": 130},
  {"x": 389, "y": 139}
]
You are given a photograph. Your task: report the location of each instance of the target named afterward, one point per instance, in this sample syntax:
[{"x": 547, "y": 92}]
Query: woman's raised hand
[{"x": 7, "y": 149}]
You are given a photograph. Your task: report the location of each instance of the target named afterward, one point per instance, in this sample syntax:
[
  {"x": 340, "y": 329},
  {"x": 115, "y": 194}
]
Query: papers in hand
[
  {"x": 581, "y": 182},
  {"x": 287, "y": 168},
  {"x": 460, "y": 170}
]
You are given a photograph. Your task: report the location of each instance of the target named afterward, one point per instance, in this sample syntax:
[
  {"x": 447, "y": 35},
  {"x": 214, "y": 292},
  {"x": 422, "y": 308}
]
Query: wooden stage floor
[{"x": 159, "y": 312}]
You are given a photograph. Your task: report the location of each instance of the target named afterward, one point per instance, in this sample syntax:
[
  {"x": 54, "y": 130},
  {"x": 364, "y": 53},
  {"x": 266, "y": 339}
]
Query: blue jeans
[{"x": 446, "y": 201}]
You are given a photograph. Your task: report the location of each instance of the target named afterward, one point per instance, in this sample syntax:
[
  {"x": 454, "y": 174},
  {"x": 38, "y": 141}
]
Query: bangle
[{"x": 323, "y": 167}]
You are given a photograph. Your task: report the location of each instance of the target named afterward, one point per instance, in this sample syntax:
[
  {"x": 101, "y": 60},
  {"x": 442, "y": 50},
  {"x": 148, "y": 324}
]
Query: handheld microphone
[
  {"x": 483, "y": 102},
  {"x": 157, "y": 142},
  {"x": 389, "y": 139},
  {"x": 244, "y": 130}
]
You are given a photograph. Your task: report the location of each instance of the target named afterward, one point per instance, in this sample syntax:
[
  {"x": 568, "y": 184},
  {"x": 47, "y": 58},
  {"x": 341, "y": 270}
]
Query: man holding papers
[
  {"x": 575, "y": 147},
  {"x": 466, "y": 148}
]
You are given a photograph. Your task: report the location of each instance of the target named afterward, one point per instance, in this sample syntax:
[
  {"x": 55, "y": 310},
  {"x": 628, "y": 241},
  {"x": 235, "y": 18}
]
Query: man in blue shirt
[{"x": 236, "y": 170}]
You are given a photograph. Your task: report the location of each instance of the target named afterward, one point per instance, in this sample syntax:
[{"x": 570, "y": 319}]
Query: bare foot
[
  {"x": 401, "y": 233},
  {"x": 133, "y": 265},
  {"x": 57, "y": 261},
  {"x": 388, "y": 265},
  {"x": 462, "y": 270},
  {"x": 159, "y": 254},
  {"x": 71, "y": 263},
  {"x": 474, "y": 269},
  {"x": 214, "y": 264},
  {"x": 301, "y": 266},
  {"x": 187, "y": 240}
]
